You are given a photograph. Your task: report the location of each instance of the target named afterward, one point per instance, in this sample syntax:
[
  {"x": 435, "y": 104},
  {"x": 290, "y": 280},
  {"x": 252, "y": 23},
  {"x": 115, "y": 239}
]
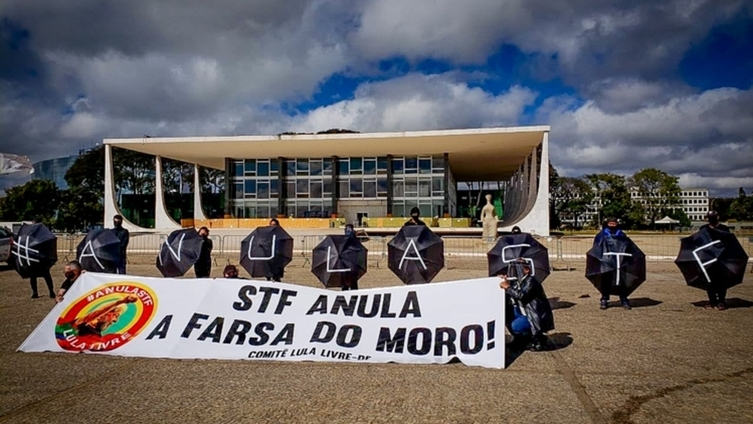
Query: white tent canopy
[{"x": 667, "y": 220}]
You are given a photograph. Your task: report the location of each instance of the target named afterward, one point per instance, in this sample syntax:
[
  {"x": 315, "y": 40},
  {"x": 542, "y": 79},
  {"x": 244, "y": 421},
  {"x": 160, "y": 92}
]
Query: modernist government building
[{"x": 358, "y": 175}]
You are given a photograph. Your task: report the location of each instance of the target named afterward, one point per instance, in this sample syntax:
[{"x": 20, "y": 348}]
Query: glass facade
[
  {"x": 255, "y": 188},
  {"x": 311, "y": 187},
  {"x": 418, "y": 181},
  {"x": 309, "y": 191}
]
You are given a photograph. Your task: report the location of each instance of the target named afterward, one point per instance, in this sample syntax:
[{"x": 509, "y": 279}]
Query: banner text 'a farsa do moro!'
[{"x": 257, "y": 320}]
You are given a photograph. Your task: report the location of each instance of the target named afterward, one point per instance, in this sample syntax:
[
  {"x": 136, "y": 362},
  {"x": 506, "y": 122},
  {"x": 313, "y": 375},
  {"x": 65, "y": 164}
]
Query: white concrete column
[
  {"x": 162, "y": 220},
  {"x": 198, "y": 211},
  {"x": 111, "y": 204},
  {"x": 537, "y": 219}
]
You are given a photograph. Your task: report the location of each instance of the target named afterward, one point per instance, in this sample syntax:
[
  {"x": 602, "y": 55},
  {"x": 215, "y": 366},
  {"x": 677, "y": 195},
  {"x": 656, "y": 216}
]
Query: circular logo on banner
[{"x": 106, "y": 318}]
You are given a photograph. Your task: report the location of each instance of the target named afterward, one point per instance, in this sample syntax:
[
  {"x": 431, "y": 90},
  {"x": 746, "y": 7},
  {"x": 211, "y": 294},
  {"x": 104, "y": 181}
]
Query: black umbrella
[
  {"x": 99, "y": 251},
  {"x": 339, "y": 261},
  {"x": 415, "y": 254},
  {"x": 712, "y": 258},
  {"x": 179, "y": 252},
  {"x": 266, "y": 251},
  {"x": 34, "y": 250},
  {"x": 615, "y": 265},
  {"x": 521, "y": 245}
]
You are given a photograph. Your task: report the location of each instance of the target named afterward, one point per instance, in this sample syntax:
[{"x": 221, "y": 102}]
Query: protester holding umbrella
[
  {"x": 717, "y": 292},
  {"x": 712, "y": 259},
  {"x": 100, "y": 251},
  {"x": 179, "y": 252},
  {"x": 415, "y": 254},
  {"x": 124, "y": 237},
  {"x": 515, "y": 246},
  {"x": 529, "y": 305},
  {"x": 71, "y": 271},
  {"x": 266, "y": 251},
  {"x": 339, "y": 261},
  {"x": 35, "y": 251},
  {"x": 609, "y": 235},
  {"x": 203, "y": 266},
  {"x": 415, "y": 219}
]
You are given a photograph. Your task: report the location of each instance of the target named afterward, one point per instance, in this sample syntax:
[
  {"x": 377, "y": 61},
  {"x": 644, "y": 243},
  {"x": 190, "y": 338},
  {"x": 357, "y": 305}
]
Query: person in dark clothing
[
  {"x": 123, "y": 236},
  {"x": 415, "y": 219},
  {"x": 43, "y": 274},
  {"x": 203, "y": 266},
  {"x": 47, "y": 279},
  {"x": 529, "y": 315},
  {"x": 276, "y": 274},
  {"x": 516, "y": 230},
  {"x": 717, "y": 293},
  {"x": 71, "y": 271},
  {"x": 352, "y": 284},
  {"x": 230, "y": 271},
  {"x": 611, "y": 232}
]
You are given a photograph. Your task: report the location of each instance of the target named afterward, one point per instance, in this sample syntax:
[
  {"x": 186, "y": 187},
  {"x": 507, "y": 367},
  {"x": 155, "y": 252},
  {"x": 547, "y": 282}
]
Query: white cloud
[{"x": 416, "y": 102}]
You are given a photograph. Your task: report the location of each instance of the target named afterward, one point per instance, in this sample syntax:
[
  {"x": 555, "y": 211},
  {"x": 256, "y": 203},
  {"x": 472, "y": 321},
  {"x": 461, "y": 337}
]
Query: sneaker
[
  {"x": 604, "y": 304},
  {"x": 35, "y": 296},
  {"x": 721, "y": 306},
  {"x": 537, "y": 344},
  {"x": 709, "y": 305},
  {"x": 626, "y": 304},
  {"x": 52, "y": 295}
]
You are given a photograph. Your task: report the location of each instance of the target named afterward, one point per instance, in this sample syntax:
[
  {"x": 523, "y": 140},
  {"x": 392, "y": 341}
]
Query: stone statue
[{"x": 488, "y": 219}]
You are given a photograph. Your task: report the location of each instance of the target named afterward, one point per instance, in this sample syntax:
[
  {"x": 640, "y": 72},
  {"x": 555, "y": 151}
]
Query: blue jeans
[{"x": 519, "y": 324}]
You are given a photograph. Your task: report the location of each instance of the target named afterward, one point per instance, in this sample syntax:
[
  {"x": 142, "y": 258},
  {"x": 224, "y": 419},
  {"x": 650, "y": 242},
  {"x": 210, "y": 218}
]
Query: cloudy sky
[{"x": 624, "y": 85}]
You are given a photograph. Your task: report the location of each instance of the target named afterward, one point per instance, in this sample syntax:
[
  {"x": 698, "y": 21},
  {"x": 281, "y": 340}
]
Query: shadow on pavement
[
  {"x": 556, "y": 303},
  {"x": 641, "y": 302},
  {"x": 734, "y": 302},
  {"x": 555, "y": 341}
]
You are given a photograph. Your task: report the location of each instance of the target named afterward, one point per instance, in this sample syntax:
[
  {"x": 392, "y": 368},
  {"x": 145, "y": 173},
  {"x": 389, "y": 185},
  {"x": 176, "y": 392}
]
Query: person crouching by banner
[
  {"x": 203, "y": 265},
  {"x": 71, "y": 271},
  {"x": 230, "y": 271},
  {"x": 531, "y": 315}
]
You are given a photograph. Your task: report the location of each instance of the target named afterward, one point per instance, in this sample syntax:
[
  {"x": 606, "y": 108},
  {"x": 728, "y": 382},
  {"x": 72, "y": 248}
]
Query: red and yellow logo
[{"x": 106, "y": 318}]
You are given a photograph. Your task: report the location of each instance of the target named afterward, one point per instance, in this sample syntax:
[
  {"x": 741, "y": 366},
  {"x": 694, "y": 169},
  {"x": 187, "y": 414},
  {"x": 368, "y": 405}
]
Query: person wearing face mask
[
  {"x": 717, "y": 294},
  {"x": 123, "y": 236},
  {"x": 610, "y": 232},
  {"x": 71, "y": 271},
  {"x": 203, "y": 266},
  {"x": 415, "y": 217}
]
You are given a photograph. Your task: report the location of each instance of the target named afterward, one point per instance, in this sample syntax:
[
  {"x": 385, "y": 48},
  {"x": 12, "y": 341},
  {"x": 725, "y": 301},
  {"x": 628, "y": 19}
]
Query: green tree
[
  {"x": 79, "y": 209},
  {"x": 37, "y": 199},
  {"x": 658, "y": 191},
  {"x": 571, "y": 197},
  {"x": 611, "y": 193},
  {"x": 741, "y": 208}
]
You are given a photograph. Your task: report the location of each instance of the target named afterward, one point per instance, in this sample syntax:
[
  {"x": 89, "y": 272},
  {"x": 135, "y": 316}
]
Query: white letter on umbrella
[
  {"x": 709, "y": 262},
  {"x": 175, "y": 255},
  {"x": 262, "y": 258},
  {"x": 418, "y": 257},
  {"x": 84, "y": 254}
]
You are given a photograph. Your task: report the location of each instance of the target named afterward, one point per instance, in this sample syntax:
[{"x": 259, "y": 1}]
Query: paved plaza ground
[{"x": 667, "y": 360}]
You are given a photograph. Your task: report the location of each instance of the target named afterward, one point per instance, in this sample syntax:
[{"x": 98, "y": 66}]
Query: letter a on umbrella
[
  {"x": 266, "y": 251},
  {"x": 339, "y": 261},
  {"x": 711, "y": 258},
  {"x": 179, "y": 252},
  {"x": 35, "y": 250},
  {"x": 513, "y": 246},
  {"x": 415, "y": 254},
  {"x": 615, "y": 266},
  {"x": 99, "y": 251}
]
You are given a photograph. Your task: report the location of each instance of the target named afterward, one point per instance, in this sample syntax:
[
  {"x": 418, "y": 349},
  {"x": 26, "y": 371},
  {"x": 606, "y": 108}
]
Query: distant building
[
  {"x": 695, "y": 203},
  {"x": 54, "y": 170}
]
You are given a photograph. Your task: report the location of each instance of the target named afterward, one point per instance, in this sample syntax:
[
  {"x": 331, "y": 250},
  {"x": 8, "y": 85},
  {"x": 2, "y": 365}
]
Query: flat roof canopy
[{"x": 475, "y": 154}]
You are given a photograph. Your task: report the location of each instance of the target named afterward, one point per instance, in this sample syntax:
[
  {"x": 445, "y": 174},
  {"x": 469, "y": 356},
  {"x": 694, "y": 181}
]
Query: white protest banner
[{"x": 248, "y": 319}]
